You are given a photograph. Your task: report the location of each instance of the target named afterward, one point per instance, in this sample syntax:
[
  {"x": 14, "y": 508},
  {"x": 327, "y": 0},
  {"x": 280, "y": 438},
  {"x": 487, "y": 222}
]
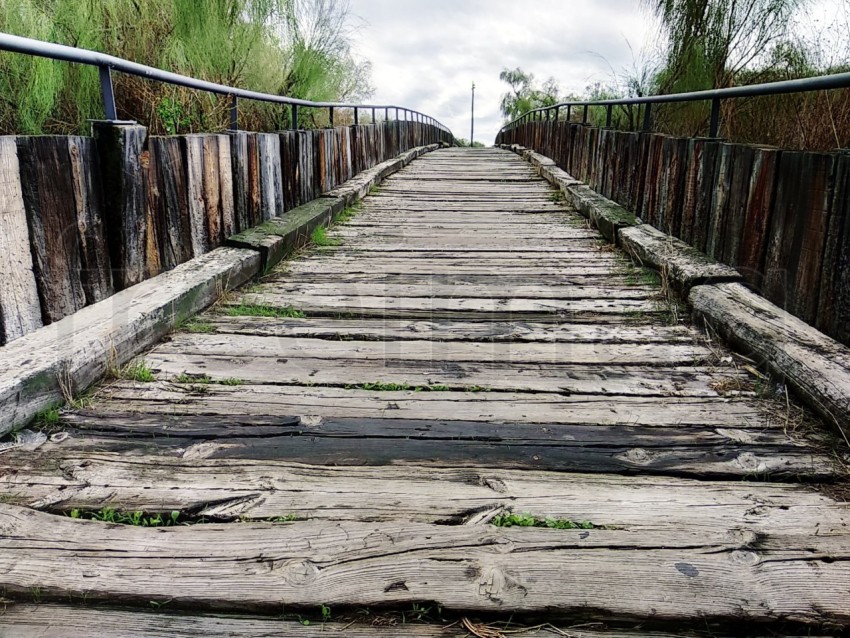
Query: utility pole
[{"x": 472, "y": 118}]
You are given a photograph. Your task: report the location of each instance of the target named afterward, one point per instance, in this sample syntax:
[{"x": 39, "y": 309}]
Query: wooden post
[{"x": 120, "y": 147}]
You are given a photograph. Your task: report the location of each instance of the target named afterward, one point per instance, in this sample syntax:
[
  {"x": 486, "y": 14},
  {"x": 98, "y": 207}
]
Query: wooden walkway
[{"x": 470, "y": 350}]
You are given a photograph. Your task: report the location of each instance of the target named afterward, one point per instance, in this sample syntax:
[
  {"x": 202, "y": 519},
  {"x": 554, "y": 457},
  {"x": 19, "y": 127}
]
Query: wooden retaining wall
[
  {"x": 84, "y": 217},
  {"x": 782, "y": 218}
]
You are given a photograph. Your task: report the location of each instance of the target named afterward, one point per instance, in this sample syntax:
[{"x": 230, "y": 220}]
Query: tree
[
  {"x": 712, "y": 41},
  {"x": 524, "y": 95}
]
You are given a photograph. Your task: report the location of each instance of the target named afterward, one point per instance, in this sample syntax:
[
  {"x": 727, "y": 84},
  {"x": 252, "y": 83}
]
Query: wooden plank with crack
[
  {"x": 400, "y": 329},
  {"x": 228, "y": 489},
  {"x": 591, "y": 354},
  {"x": 165, "y": 397},
  {"x": 478, "y": 568},
  {"x": 44, "y": 620}
]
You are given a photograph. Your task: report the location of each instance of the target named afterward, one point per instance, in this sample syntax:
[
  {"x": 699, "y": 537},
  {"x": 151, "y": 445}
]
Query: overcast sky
[{"x": 426, "y": 54}]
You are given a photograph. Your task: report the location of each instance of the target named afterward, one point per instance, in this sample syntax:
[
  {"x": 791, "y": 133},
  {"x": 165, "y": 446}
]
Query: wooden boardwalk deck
[{"x": 469, "y": 349}]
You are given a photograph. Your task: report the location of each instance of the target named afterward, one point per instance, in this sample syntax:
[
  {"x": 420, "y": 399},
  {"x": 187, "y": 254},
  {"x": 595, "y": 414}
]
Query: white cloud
[{"x": 426, "y": 55}]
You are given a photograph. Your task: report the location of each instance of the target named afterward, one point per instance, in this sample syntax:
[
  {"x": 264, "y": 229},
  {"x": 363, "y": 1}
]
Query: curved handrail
[
  {"x": 802, "y": 85},
  {"x": 106, "y": 63}
]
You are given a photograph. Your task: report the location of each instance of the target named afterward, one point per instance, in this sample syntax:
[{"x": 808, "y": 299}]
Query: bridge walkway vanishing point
[{"x": 469, "y": 350}]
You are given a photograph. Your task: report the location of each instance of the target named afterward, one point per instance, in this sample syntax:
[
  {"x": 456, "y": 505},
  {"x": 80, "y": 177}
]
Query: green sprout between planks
[
  {"x": 527, "y": 520},
  {"x": 260, "y": 310},
  {"x": 320, "y": 237}
]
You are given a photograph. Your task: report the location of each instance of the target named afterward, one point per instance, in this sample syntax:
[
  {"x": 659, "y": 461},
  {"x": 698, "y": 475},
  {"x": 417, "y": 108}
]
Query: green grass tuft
[
  {"x": 527, "y": 520},
  {"x": 320, "y": 237},
  {"x": 137, "y": 370},
  {"x": 260, "y": 310},
  {"x": 199, "y": 327}
]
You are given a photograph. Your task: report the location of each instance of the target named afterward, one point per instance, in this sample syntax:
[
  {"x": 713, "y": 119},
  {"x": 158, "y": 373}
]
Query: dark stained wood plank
[
  {"x": 121, "y": 148},
  {"x": 96, "y": 273},
  {"x": 48, "y": 193}
]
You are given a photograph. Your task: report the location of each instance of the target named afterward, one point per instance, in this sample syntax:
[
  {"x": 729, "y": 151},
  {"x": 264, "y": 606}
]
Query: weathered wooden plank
[
  {"x": 201, "y": 345},
  {"x": 227, "y": 489},
  {"x": 834, "y": 302},
  {"x": 45, "y": 620},
  {"x": 754, "y": 240},
  {"x": 798, "y": 232},
  {"x": 42, "y": 368},
  {"x": 493, "y": 308},
  {"x": 198, "y": 222},
  {"x": 814, "y": 365},
  {"x": 121, "y": 150},
  {"x": 20, "y": 309},
  {"x": 383, "y": 330},
  {"x": 164, "y": 397},
  {"x": 261, "y": 566},
  {"x": 48, "y": 193},
  {"x": 153, "y": 213},
  {"x": 225, "y": 188},
  {"x": 478, "y": 290},
  {"x": 396, "y": 368},
  {"x": 240, "y": 181},
  {"x": 212, "y": 190},
  {"x": 175, "y": 226},
  {"x": 96, "y": 273},
  {"x": 697, "y": 451}
]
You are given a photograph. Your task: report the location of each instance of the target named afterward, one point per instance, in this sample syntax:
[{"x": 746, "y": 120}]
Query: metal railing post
[
  {"x": 714, "y": 125},
  {"x": 356, "y": 116},
  {"x": 331, "y": 116},
  {"x": 647, "y": 118},
  {"x": 234, "y": 113},
  {"x": 295, "y": 117},
  {"x": 107, "y": 93},
  {"x": 608, "y": 117},
  {"x": 373, "y": 116},
  {"x": 584, "y": 117},
  {"x": 569, "y": 111},
  {"x": 557, "y": 112}
]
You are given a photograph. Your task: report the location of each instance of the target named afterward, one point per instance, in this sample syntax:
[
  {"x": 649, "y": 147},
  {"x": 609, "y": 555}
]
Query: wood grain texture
[
  {"x": 48, "y": 193},
  {"x": 261, "y": 566},
  {"x": 121, "y": 148},
  {"x": 20, "y": 310}
]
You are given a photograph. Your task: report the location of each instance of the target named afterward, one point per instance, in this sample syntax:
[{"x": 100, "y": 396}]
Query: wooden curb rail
[
  {"x": 816, "y": 366},
  {"x": 56, "y": 362}
]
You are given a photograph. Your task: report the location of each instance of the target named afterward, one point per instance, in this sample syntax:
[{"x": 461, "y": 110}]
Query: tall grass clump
[{"x": 286, "y": 47}]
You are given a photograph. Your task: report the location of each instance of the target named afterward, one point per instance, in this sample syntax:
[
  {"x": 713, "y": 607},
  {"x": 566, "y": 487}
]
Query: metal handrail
[
  {"x": 803, "y": 85},
  {"x": 107, "y": 63}
]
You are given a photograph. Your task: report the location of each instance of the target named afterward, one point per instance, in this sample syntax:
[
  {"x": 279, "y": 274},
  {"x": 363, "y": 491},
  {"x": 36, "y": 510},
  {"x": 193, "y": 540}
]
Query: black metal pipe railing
[
  {"x": 716, "y": 96},
  {"x": 107, "y": 63}
]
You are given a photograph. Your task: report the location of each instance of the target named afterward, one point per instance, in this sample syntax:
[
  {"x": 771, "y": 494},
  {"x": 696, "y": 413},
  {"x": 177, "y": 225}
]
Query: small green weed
[
  {"x": 346, "y": 215},
  {"x": 320, "y": 237},
  {"x": 205, "y": 379},
  {"x": 527, "y": 520},
  {"x": 47, "y": 419},
  {"x": 199, "y": 327},
  {"x": 326, "y": 613},
  {"x": 135, "y": 371},
  {"x": 259, "y": 310},
  {"x": 193, "y": 378},
  {"x": 139, "y": 519}
]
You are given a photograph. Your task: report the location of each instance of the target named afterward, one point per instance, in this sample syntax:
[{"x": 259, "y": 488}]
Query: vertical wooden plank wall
[
  {"x": 20, "y": 310},
  {"x": 780, "y": 217},
  {"x": 82, "y": 217}
]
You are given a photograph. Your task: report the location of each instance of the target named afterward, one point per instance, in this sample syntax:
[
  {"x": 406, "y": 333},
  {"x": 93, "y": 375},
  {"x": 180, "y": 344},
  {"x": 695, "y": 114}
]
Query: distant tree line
[
  {"x": 717, "y": 44},
  {"x": 299, "y": 48}
]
